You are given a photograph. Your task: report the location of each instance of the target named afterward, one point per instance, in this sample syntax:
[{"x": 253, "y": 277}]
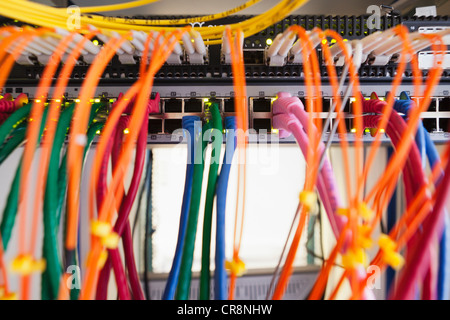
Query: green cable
[
  {"x": 91, "y": 133},
  {"x": 13, "y": 121},
  {"x": 51, "y": 276},
  {"x": 16, "y": 139},
  {"x": 184, "y": 280},
  {"x": 205, "y": 274},
  {"x": 54, "y": 199},
  {"x": 9, "y": 213}
]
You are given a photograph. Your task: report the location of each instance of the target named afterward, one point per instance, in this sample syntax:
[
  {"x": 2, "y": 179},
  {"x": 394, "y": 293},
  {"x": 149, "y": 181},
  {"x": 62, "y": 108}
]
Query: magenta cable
[
  {"x": 286, "y": 104},
  {"x": 413, "y": 182},
  {"x": 291, "y": 124},
  {"x": 127, "y": 240},
  {"x": 122, "y": 222}
]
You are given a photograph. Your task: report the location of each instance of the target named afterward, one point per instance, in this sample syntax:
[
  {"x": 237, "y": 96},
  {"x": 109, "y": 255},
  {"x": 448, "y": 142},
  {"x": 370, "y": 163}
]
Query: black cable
[
  {"x": 148, "y": 226},
  {"x": 141, "y": 195}
]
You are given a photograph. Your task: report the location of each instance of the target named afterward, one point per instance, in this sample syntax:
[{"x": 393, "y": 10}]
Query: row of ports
[
  {"x": 264, "y": 125},
  {"x": 226, "y": 105},
  {"x": 159, "y": 126},
  {"x": 196, "y": 105},
  {"x": 192, "y": 105}
]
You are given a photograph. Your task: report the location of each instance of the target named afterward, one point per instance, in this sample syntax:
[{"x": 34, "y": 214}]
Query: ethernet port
[
  {"x": 261, "y": 105},
  {"x": 192, "y": 105},
  {"x": 432, "y": 106},
  {"x": 430, "y": 124},
  {"x": 154, "y": 126},
  {"x": 253, "y": 56},
  {"x": 170, "y": 125},
  {"x": 229, "y": 105},
  {"x": 172, "y": 105},
  {"x": 326, "y": 104},
  {"x": 262, "y": 124},
  {"x": 444, "y": 124},
  {"x": 444, "y": 104},
  {"x": 347, "y": 106}
]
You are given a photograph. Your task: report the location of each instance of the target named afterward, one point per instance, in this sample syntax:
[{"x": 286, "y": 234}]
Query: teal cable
[
  {"x": 205, "y": 274},
  {"x": 13, "y": 121},
  {"x": 184, "y": 280},
  {"x": 10, "y": 210},
  {"x": 16, "y": 139},
  {"x": 94, "y": 127},
  {"x": 51, "y": 276}
]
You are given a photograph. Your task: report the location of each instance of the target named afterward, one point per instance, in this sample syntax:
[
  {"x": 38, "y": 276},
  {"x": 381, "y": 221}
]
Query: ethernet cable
[
  {"x": 220, "y": 276},
  {"x": 10, "y": 210},
  {"x": 216, "y": 133},
  {"x": 321, "y": 282},
  {"x": 172, "y": 280},
  {"x": 398, "y": 158},
  {"x": 312, "y": 82},
  {"x": 105, "y": 214},
  {"x": 184, "y": 280},
  {"x": 413, "y": 178}
]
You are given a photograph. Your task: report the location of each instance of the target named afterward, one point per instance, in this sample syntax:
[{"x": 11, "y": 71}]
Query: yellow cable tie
[
  {"x": 386, "y": 243},
  {"x": 390, "y": 255},
  {"x": 25, "y": 265},
  {"x": 394, "y": 259},
  {"x": 365, "y": 212},
  {"x": 111, "y": 240},
  {"x": 100, "y": 228},
  {"x": 354, "y": 258},
  {"x": 9, "y": 296},
  {"x": 308, "y": 199},
  {"x": 236, "y": 267},
  {"x": 364, "y": 240},
  {"x": 343, "y": 212}
]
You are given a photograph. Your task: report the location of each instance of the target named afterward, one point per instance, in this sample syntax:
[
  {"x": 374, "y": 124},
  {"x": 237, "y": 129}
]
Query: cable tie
[
  {"x": 236, "y": 266},
  {"x": 390, "y": 256},
  {"x": 111, "y": 240},
  {"x": 308, "y": 199},
  {"x": 25, "y": 265},
  {"x": 100, "y": 228},
  {"x": 365, "y": 212}
]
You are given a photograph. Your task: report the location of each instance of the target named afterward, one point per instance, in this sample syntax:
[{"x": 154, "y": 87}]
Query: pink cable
[
  {"x": 413, "y": 180},
  {"x": 286, "y": 104},
  {"x": 291, "y": 124}
]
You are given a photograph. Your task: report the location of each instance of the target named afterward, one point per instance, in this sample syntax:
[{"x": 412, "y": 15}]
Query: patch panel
[
  {"x": 191, "y": 101},
  {"x": 213, "y": 68}
]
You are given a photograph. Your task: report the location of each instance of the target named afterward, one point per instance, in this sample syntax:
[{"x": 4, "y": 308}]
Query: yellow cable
[
  {"x": 211, "y": 17},
  {"x": 114, "y": 7},
  {"x": 38, "y": 14}
]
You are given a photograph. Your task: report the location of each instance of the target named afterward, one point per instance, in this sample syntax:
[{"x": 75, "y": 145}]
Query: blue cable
[
  {"x": 172, "y": 280},
  {"x": 391, "y": 219},
  {"x": 220, "y": 275},
  {"x": 443, "y": 290},
  {"x": 444, "y": 243}
]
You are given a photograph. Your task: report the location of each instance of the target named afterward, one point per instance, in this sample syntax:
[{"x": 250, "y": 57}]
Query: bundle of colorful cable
[{"x": 353, "y": 226}]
